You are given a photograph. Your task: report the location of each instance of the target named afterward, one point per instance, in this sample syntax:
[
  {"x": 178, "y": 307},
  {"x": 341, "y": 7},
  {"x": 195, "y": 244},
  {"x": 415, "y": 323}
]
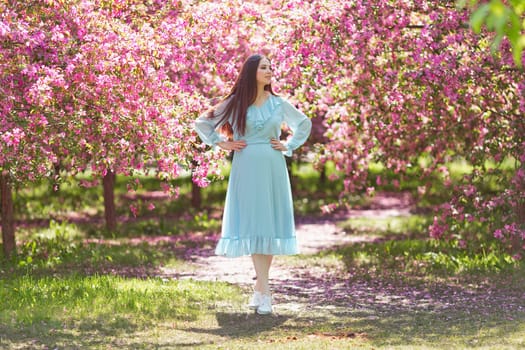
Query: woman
[{"x": 258, "y": 215}]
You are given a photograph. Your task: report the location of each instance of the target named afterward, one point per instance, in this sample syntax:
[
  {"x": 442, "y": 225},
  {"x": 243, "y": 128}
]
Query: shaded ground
[
  {"x": 299, "y": 286},
  {"x": 314, "y": 235},
  {"x": 311, "y": 294},
  {"x": 322, "y": 303}
]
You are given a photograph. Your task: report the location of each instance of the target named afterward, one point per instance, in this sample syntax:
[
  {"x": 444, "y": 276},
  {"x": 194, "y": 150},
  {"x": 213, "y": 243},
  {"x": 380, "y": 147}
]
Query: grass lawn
[
  {"x": 386, "y": 294},
  {"x": 75, "y": 286},
  {"x": 103, "y": 311}
]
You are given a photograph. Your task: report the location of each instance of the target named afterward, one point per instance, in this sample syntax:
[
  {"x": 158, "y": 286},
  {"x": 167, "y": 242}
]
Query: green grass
[
  {"x": 391, "y": 226},
  {"x": 89, "y": 296},
  {"x": 402, "y": 244},
  {"x": 100, "y": 312},
  {"x": 74, "y": 285},
  {"x": 65, "y": 247},
  {"x": 405, "y": 291},
  {"x": 83, "y": 311}
]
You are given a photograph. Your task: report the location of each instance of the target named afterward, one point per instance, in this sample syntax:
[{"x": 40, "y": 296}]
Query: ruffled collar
[{"x": 262, "y": 113}]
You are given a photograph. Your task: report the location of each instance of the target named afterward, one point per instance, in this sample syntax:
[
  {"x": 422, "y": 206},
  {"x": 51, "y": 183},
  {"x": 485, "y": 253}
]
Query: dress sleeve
[
  {"x": 298, "y": 123},
  {"x": 207, "y": 127}
]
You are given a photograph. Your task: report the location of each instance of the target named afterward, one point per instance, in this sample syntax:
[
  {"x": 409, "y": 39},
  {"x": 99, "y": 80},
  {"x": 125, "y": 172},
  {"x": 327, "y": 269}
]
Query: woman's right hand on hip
[{"x": 232, "y": 145}]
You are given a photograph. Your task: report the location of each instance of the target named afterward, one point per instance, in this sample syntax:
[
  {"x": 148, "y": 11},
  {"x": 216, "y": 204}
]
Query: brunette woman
[{"x": 258, "y": 217}]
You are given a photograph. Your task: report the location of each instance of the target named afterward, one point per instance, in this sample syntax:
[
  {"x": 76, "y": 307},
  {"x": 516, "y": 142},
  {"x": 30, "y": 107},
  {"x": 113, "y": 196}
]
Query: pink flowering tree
[
  {"x": 27, "y": 134},
  {"x": 86, "y": 86},
  {"x": 114, "y": 86},
  {"x": 415, "y": 81},
  {"x": 398, "y": 83},
  {"x": 504, "y": 19}
]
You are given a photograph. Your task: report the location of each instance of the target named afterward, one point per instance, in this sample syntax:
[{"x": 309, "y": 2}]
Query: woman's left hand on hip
[{"x": 278, "y": 145}]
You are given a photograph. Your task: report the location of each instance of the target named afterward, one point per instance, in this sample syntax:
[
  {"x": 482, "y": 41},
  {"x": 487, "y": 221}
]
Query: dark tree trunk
[
  {"x": 196, "y": 192},
  {"x": 196, "y": 196},
  {"x": 322, "y": 174},
  {"x": 55, "y": 182},
  {"x": 8, "y": 222},
  {"x": 520, "y": 208},
  {"x": 109, "y": 201}
]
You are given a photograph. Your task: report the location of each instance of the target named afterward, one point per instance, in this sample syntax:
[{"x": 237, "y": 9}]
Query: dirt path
[
  {"x": 312, "y": 238},
  {"x": 314, "y": 235},
  {"x": 298, "y": 285}
]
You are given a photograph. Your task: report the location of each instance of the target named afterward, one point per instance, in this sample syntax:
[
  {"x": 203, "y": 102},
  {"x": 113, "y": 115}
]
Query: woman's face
[{"x": 264, "y": 72}]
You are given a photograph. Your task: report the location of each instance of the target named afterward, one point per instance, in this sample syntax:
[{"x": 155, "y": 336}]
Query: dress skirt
[{"x": 258, "y": 215}]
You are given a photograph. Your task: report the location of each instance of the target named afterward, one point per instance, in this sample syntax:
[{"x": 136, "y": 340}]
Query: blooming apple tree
[
  {"x": 114, "y": 86},
  {"x": 405, "y": 81},
  {"x": 84, "y": 85}
]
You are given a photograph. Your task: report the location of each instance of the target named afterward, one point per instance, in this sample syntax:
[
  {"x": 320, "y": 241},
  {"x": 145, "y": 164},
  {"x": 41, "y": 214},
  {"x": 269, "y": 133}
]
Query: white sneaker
[
  {"x": 255, "y": 301},
  {"x": 265, "y": 306}
]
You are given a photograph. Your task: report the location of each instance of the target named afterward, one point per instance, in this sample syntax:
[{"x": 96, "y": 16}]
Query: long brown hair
[{"x": 241, "y": 96}]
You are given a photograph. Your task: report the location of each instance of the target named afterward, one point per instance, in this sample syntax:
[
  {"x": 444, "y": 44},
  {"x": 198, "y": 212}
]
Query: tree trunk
[
  {"x": 196, "y": 196},
  {"x": 8, "y": 222},
  {"x": 55, "y": 181},
  {"x": 521, "y": 213},
  {"x": 322, "y": 174},
  {"x": 109, "y": 201}
]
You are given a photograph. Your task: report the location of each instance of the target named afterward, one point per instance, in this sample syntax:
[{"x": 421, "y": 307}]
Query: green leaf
[
  {"x": 477, "y": 18},
  {"x": 513, "y": 31},
  {"x": 516, "y": 54},
  {"x": 515, "y": 21},
  {"x": 517, "y": 50},
  {"x": 497, "y": 8},
  {"x": 497, "y": 16},
  {"x": 495, "y": 44},
  {"x": 461, "y": 4},
  {"x": 518, "y": 6}
]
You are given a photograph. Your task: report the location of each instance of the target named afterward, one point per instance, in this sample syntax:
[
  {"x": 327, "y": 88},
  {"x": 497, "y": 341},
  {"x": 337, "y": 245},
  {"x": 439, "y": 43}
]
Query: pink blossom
[
  {"x": 328, "y": 208},
  {"x": 134, "y": 210},
  {"x": 437, "y": 229},
  {"x": 12, "y": 138}
]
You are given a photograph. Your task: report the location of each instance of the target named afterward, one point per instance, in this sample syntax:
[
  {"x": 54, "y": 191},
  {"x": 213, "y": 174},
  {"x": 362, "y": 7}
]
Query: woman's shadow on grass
[
  {"x": 247, "y": 324},
  {"x": 243, "y": 324}
]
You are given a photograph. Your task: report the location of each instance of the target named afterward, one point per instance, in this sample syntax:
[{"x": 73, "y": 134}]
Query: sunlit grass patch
[
  {"x": 421, "y": 257},
  {"x": 396, "y": 225},
  {"x": 403, "y": 244},
  {"x": 63, "y": 248},
  {"x": 101, "y": 301}
]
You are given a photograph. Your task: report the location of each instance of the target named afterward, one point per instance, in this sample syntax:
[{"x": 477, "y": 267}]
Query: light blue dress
[{"x": 258, "y": 215}]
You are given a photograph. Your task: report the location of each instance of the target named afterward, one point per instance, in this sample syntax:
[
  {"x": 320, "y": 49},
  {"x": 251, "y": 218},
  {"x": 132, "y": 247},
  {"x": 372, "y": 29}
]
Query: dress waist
[{"x": 249, "y": 143}]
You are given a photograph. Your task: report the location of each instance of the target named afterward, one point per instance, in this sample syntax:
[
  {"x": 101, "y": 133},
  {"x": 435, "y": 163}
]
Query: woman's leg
[{"x": 262, "y": 265}]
